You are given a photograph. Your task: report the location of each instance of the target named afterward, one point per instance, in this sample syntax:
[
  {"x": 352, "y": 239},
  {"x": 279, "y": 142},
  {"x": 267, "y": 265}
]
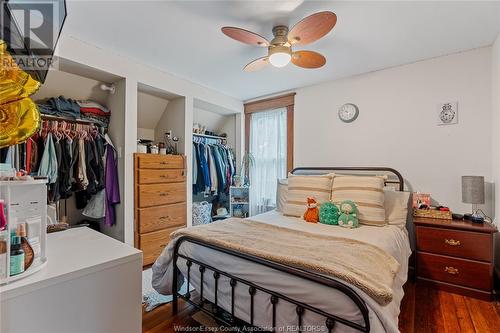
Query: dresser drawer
[
  {"x": 463, "y": 272},
  {"x": 154, "y": 161},
  {"x": 457, "y": 243},
  {"x": 162, "y": 194},
  {"x": 161, "y": 217},
  {"x": 155, "y": 176},
  {"x": 151, "y": 244}
]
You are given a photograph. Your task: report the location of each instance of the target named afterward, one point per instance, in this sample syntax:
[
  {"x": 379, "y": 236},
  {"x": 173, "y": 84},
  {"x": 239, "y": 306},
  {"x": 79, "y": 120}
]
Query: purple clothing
[{"x": 112, "y": 186}]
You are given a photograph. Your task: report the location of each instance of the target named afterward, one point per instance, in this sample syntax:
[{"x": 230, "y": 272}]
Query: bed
[{"x": 242, "y": 289}]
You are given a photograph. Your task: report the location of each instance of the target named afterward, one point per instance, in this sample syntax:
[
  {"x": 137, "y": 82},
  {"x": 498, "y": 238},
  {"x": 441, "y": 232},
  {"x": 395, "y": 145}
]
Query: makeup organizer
[{"x": 24, "y": 216}]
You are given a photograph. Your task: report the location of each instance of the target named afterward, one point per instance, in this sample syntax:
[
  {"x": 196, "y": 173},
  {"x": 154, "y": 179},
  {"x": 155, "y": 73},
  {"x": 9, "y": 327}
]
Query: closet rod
[
  {"x": 68, "y": 120},
  {"x": 210, "y": 136}
]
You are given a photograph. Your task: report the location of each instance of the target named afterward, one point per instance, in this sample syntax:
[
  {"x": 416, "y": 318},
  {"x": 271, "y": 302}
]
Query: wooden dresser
[
  {"x": 456, "y": 256},
  {"x": 160, "y": 201}
]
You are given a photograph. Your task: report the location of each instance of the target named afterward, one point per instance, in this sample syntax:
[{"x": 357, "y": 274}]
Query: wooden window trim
[{"x": 284, "y": 101}]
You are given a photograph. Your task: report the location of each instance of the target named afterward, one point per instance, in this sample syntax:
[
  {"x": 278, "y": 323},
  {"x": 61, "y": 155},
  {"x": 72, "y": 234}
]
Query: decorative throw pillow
[
  {"x": 281, "y": 194},
  {"x": 368, "y": 194},
  {"x": 396, "y": 207},
  {"x": 301, "y": 187}
]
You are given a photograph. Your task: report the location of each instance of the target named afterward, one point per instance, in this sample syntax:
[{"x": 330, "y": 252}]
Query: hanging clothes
[
  {"x": 48, "y": 164},
  {"x": 213, "y": 168},
  {"x": 112, "y": 185}
]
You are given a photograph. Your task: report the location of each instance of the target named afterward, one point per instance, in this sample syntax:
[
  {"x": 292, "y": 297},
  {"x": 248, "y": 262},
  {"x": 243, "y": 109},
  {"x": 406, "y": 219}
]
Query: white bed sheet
[{"x": 392, "y": 239}]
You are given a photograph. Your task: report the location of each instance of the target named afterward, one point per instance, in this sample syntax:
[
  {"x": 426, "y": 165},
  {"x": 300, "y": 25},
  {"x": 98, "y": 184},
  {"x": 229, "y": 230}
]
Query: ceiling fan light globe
[{"x": 280, "y": 59}]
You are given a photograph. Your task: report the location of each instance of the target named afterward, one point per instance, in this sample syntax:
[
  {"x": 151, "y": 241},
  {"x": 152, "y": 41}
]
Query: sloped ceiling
[{"x": 184, "y": 38}]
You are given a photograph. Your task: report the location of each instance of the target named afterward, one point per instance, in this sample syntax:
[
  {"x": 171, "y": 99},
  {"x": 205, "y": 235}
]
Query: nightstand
[{"x": 456, "y": 256}]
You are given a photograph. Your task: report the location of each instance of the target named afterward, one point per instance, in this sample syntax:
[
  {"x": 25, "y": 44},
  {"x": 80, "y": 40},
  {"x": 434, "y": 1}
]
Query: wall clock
[{"x": 348, "y": 112}]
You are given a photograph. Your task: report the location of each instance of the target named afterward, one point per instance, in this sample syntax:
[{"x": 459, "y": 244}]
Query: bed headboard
[{"x": 393, "y": 176}]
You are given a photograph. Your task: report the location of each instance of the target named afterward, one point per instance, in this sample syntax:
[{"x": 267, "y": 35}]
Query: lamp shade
[{"x": 473, "y": 189}]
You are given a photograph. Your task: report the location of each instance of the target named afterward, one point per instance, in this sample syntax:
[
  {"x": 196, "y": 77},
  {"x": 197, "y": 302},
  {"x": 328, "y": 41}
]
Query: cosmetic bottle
[
  {"x": 3, "y": 254},
  {"x": 25, "y": 245},
  {"x": 16, "y": 256}
]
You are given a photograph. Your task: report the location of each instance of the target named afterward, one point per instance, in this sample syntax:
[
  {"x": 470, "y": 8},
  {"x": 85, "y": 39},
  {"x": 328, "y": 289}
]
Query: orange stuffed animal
[{"x": 312, "y": 212}]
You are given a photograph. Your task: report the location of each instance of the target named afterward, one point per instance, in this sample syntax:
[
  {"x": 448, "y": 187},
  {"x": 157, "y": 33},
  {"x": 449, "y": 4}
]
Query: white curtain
[{"x": 268, "y": 145}]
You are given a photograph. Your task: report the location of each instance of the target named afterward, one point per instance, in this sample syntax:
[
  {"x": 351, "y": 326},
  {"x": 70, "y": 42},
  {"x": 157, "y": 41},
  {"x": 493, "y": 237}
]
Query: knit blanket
[{"x": 360, "y": 264}]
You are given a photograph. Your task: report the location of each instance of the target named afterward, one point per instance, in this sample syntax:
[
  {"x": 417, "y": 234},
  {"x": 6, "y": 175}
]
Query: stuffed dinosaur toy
[
  {"x": 348, "y": 214},
  {"x": 329, "y": 213},
  {"x": 312, "y": 212}
]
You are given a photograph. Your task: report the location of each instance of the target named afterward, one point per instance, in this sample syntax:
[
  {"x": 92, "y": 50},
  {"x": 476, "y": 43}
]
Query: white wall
[
  {"x": 495, "y": 94},
  {"x": 70, "y": 86},
  {"x": 82, "y": 52},
  {"x": 218, "y": 123},
  {"x": 146, "y": 133},
  {"x": 397, "y": 123},
  {"x": 173, "y": 119},
  {"x": 495, "y": 128},
  {"x": 150, "y": 108}
]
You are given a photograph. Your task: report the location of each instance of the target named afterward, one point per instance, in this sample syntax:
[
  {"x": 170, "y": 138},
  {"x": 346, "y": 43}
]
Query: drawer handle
[
  {"x": 452, "y": 242},
  {"x": 451, "y": 270},
  {"x": 163, "y": 176},
  {"x": 163, "y": 245},
  {"x": 162, "y": 194},
  {"x": 164, "y": 217},
  {"x": 163, "y": 162}
]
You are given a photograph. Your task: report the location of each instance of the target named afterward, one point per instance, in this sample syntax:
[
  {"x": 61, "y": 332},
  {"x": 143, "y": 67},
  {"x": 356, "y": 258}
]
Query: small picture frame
[
  {"x": 447, "y": 113},
  {"x": 421, "y": 200}
]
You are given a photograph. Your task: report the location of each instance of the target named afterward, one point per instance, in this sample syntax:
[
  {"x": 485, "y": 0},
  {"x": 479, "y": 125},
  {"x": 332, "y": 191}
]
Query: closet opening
[
  {"x": 160, "y": 184},
  {"x": 216, "y": 154},
  {"x": 85, "y": 124},
  {"x": 160, "y": 120}
]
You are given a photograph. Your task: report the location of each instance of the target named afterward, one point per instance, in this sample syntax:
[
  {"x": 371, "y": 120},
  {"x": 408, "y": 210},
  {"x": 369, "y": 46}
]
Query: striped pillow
[
  {"x": 367, "y": 192},
  {"x": 301, "y": 187}
]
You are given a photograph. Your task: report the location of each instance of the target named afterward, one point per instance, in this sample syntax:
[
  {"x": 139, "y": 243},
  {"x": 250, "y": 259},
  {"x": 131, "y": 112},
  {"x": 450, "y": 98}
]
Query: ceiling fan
[{"x": 279, "y": 50}]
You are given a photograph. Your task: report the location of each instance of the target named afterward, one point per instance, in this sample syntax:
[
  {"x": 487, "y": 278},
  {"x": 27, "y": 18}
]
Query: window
[
  {"x": 269, "y": 138},
  {"x": 268, "y": 146}
]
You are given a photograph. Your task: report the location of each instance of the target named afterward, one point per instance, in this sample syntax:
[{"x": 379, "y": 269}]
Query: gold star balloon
[{"x": 19, "y": 116}]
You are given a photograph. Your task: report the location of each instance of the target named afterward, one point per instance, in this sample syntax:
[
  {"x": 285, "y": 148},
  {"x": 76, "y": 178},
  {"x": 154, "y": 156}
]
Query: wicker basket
[{"x": 432, "y": 213}]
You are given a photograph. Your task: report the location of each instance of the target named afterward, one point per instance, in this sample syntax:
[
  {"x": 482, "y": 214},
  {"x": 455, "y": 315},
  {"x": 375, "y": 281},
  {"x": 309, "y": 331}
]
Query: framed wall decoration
[{"x": 447, "y": 113}]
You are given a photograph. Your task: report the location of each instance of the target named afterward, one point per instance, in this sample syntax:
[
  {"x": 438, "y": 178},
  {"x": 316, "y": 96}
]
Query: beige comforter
[{"x": 363, "y": 265}]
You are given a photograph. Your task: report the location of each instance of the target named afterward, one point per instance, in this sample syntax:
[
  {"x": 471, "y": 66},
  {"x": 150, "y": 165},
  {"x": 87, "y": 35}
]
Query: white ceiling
[{"x": 184, "y": 38}]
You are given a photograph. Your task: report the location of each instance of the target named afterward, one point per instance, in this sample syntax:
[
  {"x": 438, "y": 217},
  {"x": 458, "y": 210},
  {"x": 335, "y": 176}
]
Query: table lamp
[{"x": 473, "y": 193}]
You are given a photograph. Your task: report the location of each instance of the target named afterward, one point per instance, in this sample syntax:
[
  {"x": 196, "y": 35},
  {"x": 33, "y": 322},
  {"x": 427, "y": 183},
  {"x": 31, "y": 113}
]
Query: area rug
[{"x": 150, "y": 297}]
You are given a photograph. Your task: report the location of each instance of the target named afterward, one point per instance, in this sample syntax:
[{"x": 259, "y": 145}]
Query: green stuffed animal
[
  {"x": 329, "y": 213},
  {"x": 348, "y": 214}
]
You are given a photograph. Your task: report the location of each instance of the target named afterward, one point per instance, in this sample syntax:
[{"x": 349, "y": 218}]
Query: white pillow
[
  {"x": 281, "y": 194},
  {"x": 367, "y": 192},
  {"x": 301, "y": 187},
  {"x": 396, "y": 207}
]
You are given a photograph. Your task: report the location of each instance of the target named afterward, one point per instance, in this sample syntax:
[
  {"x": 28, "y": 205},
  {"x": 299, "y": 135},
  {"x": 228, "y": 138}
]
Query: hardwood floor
[{"x": 423, "y": 310}]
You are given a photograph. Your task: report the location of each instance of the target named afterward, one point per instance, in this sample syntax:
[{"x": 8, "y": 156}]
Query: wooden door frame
[{"x": 283, "y": 101}]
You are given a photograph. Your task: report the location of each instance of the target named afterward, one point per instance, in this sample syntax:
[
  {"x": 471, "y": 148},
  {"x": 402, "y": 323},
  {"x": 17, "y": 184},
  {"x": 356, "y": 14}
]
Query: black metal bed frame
[{"x": 228, "y": 318}]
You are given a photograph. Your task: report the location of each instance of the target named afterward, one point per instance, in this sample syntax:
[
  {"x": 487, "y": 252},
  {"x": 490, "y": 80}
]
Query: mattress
[{"x": 392, "y": 239}]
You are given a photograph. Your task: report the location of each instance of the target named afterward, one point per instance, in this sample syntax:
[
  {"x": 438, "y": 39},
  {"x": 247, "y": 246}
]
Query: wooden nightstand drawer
[
  {"x": 457, "y": 243},
  {"x": 463, "y": 272}
]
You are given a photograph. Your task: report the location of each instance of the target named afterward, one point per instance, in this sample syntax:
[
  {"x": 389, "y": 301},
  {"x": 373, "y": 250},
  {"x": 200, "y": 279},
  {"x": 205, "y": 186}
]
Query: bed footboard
[{"x": 229, "y": 319}]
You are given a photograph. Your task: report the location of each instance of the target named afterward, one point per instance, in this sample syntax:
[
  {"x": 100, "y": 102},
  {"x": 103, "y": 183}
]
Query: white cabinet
[
  {"x": 91, "y": 283},
  {"x": 25, "y": 202}
]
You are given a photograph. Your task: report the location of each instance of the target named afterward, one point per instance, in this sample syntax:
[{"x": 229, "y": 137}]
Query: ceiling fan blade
[
  {"x": 312, "y": 28},
  {"x": 308, "y": 59},
  {"x": 245, "y": 36},
  {"x": 256, "y": 65}
]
